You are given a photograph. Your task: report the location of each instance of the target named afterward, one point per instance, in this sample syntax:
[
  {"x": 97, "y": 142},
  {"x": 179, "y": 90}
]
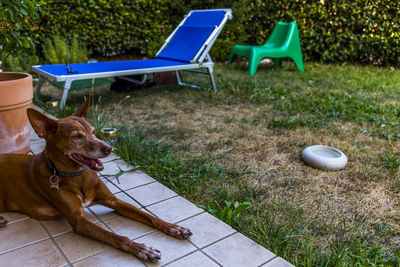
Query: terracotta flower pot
[{"x": 16, "y": 95}]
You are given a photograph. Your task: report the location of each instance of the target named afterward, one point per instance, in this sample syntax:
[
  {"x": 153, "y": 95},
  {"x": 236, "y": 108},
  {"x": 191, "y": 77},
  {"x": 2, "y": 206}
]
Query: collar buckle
[{"x": 55, "y": 178}]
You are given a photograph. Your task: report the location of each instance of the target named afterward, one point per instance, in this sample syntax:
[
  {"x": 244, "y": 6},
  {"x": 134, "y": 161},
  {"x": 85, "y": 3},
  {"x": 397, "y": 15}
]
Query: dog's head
[{"x": 71, "y": 137}]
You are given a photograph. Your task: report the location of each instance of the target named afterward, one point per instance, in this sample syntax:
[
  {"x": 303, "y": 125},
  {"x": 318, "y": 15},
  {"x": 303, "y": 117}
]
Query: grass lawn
[{"x": 243, "y": 144}]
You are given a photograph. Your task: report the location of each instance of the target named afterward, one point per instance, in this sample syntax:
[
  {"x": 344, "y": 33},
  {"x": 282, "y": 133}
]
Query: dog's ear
[
  {"x": 83, "y": 109},
  {"x": 43, "y": 125}
]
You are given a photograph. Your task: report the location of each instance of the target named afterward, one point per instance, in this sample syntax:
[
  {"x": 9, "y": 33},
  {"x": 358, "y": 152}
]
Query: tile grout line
[
  {"x": 145, "y": 234},
  {"x": 190, "y": 241},
  {"x": 97, "y": 253},
  {"x": 55, "y": 244},
  {"x": 129, "y": 196},
  {"x": 236, "y": 232},
  {"x": 104, "y": 222},
  {"x": 137, "y": 237},
  {"x": 225, "y": 237},
  {"x": 23, "y": 246},
  {"x": 16, "y": 221},
  {"x": 213, "y": 243},
  {"x": 197, "y": 248},
  {"x": 134, "y": 187},
  {"x": 186, "y": 255},
  {"x": 99, "y": 219},
  {"x": 192, "y": 216},
  {"x": 104, "y": 251},
  {"x": 200, "y": 249},
  {"x": 146, "y": 206},
  {"x": 72, "y": 231},
  {"x": 273, "y": 258},
  {"x": 112, "y": 159},
  {"x": 158, "y": 202},
  {"x": 92, "y": 255},
  {"x": 177, "y": 259}
]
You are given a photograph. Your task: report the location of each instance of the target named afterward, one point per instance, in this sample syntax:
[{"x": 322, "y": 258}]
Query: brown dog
[{"x": 62, "y": 180}]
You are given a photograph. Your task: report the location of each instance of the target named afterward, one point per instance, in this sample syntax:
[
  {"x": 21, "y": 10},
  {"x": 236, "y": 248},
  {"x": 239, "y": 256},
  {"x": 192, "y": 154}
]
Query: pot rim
[{"x": 23, "y": 75}]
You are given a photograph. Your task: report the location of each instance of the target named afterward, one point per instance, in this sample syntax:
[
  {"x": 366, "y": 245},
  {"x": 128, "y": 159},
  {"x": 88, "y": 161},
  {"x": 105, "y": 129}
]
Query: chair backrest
[
  {"x": 280, "y": 34},
  {"x": 195, "y": 35}
]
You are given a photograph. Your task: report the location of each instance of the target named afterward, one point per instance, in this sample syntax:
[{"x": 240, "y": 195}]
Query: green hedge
[
  {"x": 363, "y": 31},
  {"x": 360, "y": 31},
  {"x": 107, "y": 27}
]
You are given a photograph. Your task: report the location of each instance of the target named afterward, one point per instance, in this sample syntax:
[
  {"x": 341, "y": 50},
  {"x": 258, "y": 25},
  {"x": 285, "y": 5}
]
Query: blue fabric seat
[
  {"x": 186, "y": 43},
  {"x": 185, "y": 49},
  {"x": 105, "y": 67}
]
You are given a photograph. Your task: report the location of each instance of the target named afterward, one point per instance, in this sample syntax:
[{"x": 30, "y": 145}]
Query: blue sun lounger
[{"x": 185, "y": 49}]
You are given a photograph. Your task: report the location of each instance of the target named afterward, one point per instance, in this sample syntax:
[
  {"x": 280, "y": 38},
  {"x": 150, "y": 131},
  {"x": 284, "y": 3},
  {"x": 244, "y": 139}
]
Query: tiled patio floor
[{"x": 28, "y": 242}]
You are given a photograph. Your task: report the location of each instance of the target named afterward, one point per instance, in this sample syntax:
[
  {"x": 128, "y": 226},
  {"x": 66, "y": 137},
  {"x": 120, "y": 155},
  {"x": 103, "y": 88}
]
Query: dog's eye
[{"x": 77, "y": 136}]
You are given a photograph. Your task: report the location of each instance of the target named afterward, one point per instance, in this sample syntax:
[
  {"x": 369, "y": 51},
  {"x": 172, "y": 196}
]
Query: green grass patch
[
  {"x": 314, "y": 101},
  {"x": 186, "y": 176},
  {"x": 390, "y": 161}
]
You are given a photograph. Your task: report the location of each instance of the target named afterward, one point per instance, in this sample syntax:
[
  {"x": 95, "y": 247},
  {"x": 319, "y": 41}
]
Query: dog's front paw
[
  {"x": 178, "y": 231},
  {"x": 148, "y": 253},
  {"x": 3, "y": 221}
]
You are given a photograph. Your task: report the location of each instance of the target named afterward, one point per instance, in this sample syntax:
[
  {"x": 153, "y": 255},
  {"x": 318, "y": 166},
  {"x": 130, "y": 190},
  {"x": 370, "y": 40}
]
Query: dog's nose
[{"x": 106, "y": 148}]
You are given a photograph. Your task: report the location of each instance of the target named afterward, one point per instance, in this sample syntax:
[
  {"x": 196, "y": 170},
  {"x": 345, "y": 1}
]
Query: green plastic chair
[{"x": 283, "y": 42}]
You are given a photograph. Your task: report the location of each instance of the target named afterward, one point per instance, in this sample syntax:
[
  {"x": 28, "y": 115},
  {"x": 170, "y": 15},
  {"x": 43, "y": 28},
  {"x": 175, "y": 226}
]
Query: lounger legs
[
  {"x": 38, "y": 87},
  {"x": 212, "y": 81},
  {"x": 67, "y": 86},
  {"x": 209, "y": 72},
  {"x": 180, "y": 82}
]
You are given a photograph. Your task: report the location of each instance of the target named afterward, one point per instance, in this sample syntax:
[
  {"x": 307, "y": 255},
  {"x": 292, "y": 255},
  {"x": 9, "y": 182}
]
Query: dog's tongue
[{"x": 94, "y": 164}]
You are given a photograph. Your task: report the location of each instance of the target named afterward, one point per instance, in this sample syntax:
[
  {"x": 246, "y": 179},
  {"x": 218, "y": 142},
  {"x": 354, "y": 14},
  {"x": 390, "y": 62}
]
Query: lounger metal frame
[{"x": 201, "y": 60}]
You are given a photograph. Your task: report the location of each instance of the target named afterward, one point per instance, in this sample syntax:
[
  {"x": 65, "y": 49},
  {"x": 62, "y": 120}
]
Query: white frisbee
[{"x": 324, "y": 157}]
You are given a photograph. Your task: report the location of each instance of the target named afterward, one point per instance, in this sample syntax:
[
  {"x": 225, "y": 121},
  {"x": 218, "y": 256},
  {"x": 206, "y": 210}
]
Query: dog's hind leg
[{"x": 3, "y": 221}]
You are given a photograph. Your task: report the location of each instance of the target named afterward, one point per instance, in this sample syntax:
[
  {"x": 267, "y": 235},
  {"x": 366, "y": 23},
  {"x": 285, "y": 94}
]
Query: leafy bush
[
  {"x": 21, "y": 63},
  {"x": 364, "y": 31},
  {"x": 16, "y": 28},
  {"x": 107, "y": 27},
  {"x": 58, "y": 50}
]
